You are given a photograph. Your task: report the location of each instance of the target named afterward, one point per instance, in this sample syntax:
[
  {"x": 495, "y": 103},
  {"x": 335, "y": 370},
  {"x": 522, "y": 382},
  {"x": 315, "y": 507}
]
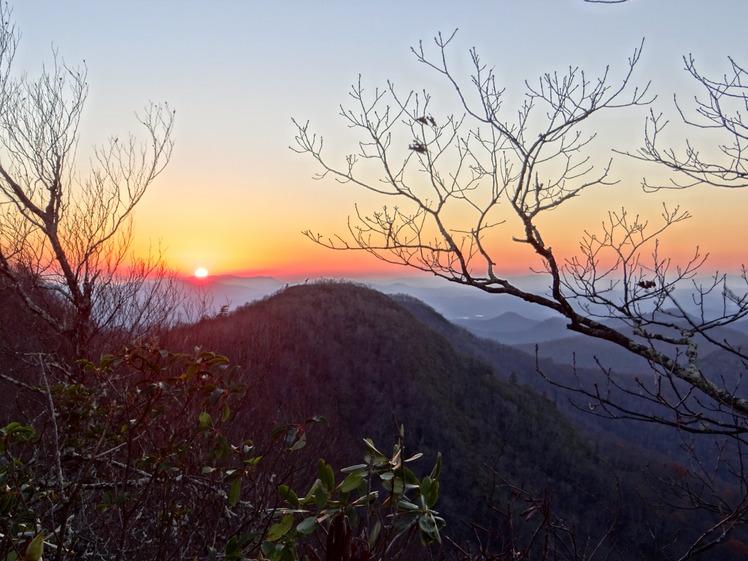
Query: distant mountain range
[
  {"x": 497, "y": 317},
  {"x": 451, "y": 300},
  {"x": 552, "y": 340},
  {"x": 512, "y": 328}
]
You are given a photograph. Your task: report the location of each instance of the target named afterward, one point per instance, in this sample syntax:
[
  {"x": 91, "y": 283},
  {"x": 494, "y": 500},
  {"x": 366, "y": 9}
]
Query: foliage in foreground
[
  {"x": 370, "y": 514},
  {"x": 131, "y": 459},
  {"x": 139, "y": 456}
]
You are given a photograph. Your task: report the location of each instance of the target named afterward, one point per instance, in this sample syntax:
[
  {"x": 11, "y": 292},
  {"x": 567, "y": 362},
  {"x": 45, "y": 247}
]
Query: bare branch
[
  {"x": 68, "y": 232},
  {"x": 720, "y": 111},
  {"x": 456, "y": 184}
]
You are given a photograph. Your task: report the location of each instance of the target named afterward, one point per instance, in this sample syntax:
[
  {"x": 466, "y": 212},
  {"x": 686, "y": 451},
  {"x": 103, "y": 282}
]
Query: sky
[{"x": 235, "y": 199}]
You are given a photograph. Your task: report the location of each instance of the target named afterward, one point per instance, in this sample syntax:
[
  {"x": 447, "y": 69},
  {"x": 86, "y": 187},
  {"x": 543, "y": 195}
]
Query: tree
[
  {"x": 140, "y": 458},
  {"x": 457, "y": 182},
  {"x": 720, "y": 111},
  {"x": 65, "y": 235}
]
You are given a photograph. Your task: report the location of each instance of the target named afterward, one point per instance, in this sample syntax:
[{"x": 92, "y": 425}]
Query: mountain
[
  {"x": 368, "y": 361},
  {"x": 551, "y": 340},
  {"x": 537, "y": 371},
  {"x": 458, "y": 302},
  {"x": 451, "y": 300},
  {"x": 511, "y": 328}
]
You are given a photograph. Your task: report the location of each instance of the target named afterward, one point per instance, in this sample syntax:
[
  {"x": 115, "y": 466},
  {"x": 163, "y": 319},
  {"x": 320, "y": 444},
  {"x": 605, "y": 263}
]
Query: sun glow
[{"x": 201, "y": 273}]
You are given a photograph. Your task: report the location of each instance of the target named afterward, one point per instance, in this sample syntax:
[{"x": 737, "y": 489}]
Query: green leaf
[
  {"x": 374, "y": 457},
  {"x": 321, "y": 496},
  {"x": 427, "y": 523},
  {"x": 326, "y": 474},
  {"x": 276, "y": 552},
  {"x": 428, "y": 529},
  {"x": 404, "y": 522},
  {"x": 288, "y": 494},
  {"x": 299, "y": 442},
  {"x": 366, "y": 498},
  {"x": 370, "y": 445},
  {"x": 414, "y": 457},
  {"x": 235, "y": 491},
  {"x": 222, "y": 448},
  {"x": 18, "y": 431},
  {"x": 10, "y": 427},
  {"x": 374, "y": 534},
  {"x": 351, "y": 482},
  {"x": 35, "y": 549},
  {"x": 277, "y": 531},
  {"x": 205, "y": 420},
  {"x": 226, "y": 413},
  {"x": 267, "y": 549},
  {"x": 407, "y": 505},
  {"x": 191, "y": 371},
  {"x": 215, "y": 395},
  {"x": 409, "y": 477},
  {"x": 394, "y": 486},
  {"x": 232, "y": 547},
  {"x": 429, "y": 491},
  {"x": 309, "y": 497},
  {"x": 307, "y": 526}
]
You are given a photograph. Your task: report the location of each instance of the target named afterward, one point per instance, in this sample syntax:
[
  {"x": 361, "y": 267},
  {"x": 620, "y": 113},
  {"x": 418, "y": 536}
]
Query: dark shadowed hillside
[
  {"x": 364, "y": 361},
  {"x": 555, "y": 359}
]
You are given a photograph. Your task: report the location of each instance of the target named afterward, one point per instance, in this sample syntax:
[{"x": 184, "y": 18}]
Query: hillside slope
[{"x": 362, "y": 360}]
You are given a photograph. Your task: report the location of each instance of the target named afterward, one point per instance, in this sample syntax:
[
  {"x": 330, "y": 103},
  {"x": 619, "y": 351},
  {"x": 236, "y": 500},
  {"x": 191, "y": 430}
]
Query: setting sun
[{"x": 201, "y": 272}]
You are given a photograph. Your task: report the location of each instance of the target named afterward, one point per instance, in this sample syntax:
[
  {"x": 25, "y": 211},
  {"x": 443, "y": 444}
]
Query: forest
[
  {"x": 330, "y": 421},
  {"x": 166, "y": 454}
]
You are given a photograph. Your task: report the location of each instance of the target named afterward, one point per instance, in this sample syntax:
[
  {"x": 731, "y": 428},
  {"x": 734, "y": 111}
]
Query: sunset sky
[{"x": 235, "y": 198}]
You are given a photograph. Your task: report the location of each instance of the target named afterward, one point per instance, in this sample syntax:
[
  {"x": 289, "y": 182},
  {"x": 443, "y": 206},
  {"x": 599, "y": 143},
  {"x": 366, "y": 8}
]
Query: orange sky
[
  {"x": 238, "y": 238},
  {"x": 235, "y": 199}
]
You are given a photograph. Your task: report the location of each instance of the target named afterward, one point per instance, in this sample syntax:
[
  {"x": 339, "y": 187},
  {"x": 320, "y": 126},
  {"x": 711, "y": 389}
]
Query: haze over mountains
[
  {"x": 501, "y": 318},
  {"x": 504, "y": 330},
  {"x": 509, "y": 323},
  {"x": 451, "y": 300}
]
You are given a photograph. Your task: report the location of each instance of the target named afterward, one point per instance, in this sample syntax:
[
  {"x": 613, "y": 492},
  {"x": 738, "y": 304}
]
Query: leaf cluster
[
  {"x": 133, "y": 458},
  {"x": 367, "y": 514}
]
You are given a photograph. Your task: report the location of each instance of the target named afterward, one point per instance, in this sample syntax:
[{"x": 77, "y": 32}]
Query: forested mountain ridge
[
  {"x": 364, "y": 361},
  {"x": 554, "y": 341},
  {"x": 514, "y": 463}
]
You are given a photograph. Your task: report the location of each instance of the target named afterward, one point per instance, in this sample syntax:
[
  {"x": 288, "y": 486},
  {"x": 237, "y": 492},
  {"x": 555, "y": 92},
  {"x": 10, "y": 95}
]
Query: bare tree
[
  {"x": 458, "y": 182},
  {"x": 65, "y": 231},
  {"x": 719, "y": 111}
]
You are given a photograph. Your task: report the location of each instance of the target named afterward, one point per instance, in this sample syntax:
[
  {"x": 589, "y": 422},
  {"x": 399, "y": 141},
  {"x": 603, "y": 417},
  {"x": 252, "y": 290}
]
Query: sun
[{"x": 201, "y": 273}]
